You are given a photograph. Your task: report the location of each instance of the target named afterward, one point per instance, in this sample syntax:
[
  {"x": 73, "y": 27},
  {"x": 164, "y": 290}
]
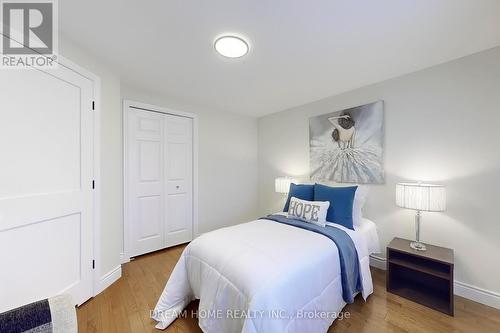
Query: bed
[{"x": 264, "y": 276}]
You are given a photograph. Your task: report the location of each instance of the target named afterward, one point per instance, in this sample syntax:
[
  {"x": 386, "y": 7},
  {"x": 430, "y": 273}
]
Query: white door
[
  {"x": 145, "y": 136},
  {"x": 159, "y": 164},
  {"x": 46, "y": 199},
  {"x": 179, "y": 180}
]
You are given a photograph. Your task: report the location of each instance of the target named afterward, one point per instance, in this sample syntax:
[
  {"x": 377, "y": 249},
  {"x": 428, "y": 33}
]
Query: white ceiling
[{"x": 300, "y": 50}]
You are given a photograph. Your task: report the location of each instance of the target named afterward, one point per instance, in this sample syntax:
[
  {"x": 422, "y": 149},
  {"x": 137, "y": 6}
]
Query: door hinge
[
  {"x": 93, "y": 105},
  {"x": 93, "y": 264},
  {"x": 93, "y": 184}
]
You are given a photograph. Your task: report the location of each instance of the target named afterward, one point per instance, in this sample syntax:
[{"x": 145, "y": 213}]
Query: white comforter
[{"x": 260, "y": 276}]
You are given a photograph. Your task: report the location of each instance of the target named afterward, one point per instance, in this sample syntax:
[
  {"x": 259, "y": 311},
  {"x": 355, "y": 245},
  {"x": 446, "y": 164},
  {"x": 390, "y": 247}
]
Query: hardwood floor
[{"x": 124, "y": 306}]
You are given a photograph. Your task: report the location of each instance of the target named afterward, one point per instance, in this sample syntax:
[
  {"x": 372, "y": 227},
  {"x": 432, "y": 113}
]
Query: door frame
[{"x": 127, "y": 104}]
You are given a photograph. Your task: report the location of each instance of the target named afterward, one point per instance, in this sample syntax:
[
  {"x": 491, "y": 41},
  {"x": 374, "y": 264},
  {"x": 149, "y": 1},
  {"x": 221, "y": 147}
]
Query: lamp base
[{"x": 418, "y": 246}]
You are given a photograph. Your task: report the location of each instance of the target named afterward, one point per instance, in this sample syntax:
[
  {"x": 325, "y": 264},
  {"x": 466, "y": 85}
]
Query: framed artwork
[{"x": 346, "y": 146}]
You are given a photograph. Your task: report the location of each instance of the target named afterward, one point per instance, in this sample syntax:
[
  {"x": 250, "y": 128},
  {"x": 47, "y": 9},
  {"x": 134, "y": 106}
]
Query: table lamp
[
  {"x": 282, "y": 184},
  {"x": 420, "y": 197}
]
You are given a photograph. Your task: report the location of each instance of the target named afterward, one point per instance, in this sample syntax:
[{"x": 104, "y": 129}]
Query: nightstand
[{"x": 425, "y": 277}]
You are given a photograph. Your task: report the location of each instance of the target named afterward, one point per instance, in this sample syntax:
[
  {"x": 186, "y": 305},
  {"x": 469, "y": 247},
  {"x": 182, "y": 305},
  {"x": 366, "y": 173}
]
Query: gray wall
[{"x": 442, "y": 125}]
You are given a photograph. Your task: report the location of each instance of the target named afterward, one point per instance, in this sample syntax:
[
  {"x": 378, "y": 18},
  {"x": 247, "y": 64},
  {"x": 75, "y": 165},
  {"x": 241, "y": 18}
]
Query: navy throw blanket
[{"x": 349, "y": 263}]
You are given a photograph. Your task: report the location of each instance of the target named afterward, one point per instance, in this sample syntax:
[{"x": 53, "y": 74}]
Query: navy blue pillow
[
  {"x": 341, "y": 202},
  {"x": 301, "y": 191}
]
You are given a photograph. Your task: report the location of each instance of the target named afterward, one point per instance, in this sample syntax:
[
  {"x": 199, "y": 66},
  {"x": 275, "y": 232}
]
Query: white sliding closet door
[
  {"x": 46, "y": 199},
  {"x": 160, "y": 191}
]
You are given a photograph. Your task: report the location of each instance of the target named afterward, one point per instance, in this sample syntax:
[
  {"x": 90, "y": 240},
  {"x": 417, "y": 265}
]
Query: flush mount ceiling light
[{"x": 231, "y": 46}]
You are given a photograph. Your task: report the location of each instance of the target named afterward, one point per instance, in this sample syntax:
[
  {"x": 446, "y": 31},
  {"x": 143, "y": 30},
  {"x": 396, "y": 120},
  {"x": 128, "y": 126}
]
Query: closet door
[
  {"x": 145, "y": 181},
  {"x": 159, "y": 181},
  {"x": 178, "y": 159}
]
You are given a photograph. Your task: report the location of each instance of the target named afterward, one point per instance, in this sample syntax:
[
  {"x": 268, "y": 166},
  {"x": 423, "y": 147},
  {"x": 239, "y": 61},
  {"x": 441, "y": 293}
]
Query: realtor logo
[{"x": 29, "y": 33}]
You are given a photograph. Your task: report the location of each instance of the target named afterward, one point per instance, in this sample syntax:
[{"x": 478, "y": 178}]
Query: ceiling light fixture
[{"x": 231, "y": 46}]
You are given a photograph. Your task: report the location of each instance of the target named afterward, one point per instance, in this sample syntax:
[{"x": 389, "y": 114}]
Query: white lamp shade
[
  {"x": 282, "y": 184},
  {"x": 426, "y": 197}
]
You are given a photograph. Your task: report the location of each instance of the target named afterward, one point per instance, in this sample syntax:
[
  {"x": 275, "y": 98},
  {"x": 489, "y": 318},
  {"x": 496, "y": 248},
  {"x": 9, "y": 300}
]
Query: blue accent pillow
[
  {"x": 300, "y": 191},
  {"x": 341, "y": 203}
]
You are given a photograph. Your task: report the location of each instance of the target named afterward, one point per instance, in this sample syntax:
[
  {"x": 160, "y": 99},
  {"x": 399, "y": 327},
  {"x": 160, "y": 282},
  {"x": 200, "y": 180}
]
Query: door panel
[
  {"x": 149, "y": 160},
  {"x": 149, "y": 222},
  {"x": 179, "y": 185},
  {"x": 39, "y": 149},
  {"x": 177, "y": 160},
  {"x": 177, "y": 211},
  {"x": 46, "y": 199},
  {"x": 58, "y": 234},
  {"x": 145, "y": 157},
  {"x": 149, "y": 125}
]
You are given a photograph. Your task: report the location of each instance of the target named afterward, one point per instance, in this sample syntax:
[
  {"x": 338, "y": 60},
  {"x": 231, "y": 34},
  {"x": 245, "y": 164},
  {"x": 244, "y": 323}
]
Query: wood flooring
[{"x": 125, "y": 306}]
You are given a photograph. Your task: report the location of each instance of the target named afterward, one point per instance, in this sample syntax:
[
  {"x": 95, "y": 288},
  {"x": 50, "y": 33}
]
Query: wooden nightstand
[{"x": 425, "y": 277}]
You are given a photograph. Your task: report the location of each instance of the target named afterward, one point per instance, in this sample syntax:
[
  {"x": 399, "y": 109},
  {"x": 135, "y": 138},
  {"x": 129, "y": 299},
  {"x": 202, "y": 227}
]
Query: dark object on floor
[{"x": 56, "y": 314}]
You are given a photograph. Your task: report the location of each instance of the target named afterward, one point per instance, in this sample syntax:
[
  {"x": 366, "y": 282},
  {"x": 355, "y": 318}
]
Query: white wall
[
  {"x": 111, "y": 154},
  {"x": 228, "y": 185},
  {"x": 441, "y": 125}
]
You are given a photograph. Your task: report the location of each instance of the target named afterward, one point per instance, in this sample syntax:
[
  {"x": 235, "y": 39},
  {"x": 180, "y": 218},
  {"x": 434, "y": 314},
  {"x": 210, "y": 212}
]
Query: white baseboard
[
  {"x": 109, "y": 278},
  {"x": 462, "y": 289},
  {"x": 477, "y": 294},
  {"x": 123, "y": 258},
  {"x": 377, "y": 262}
]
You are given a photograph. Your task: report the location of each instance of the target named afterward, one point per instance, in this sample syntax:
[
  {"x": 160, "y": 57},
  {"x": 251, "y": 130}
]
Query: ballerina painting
[{"x": 347, "y": 146}]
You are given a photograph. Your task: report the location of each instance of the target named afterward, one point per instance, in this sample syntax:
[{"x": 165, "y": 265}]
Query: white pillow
[
  {"x": 309, "y": 211},
  {"x": 359, "y": 202}
]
